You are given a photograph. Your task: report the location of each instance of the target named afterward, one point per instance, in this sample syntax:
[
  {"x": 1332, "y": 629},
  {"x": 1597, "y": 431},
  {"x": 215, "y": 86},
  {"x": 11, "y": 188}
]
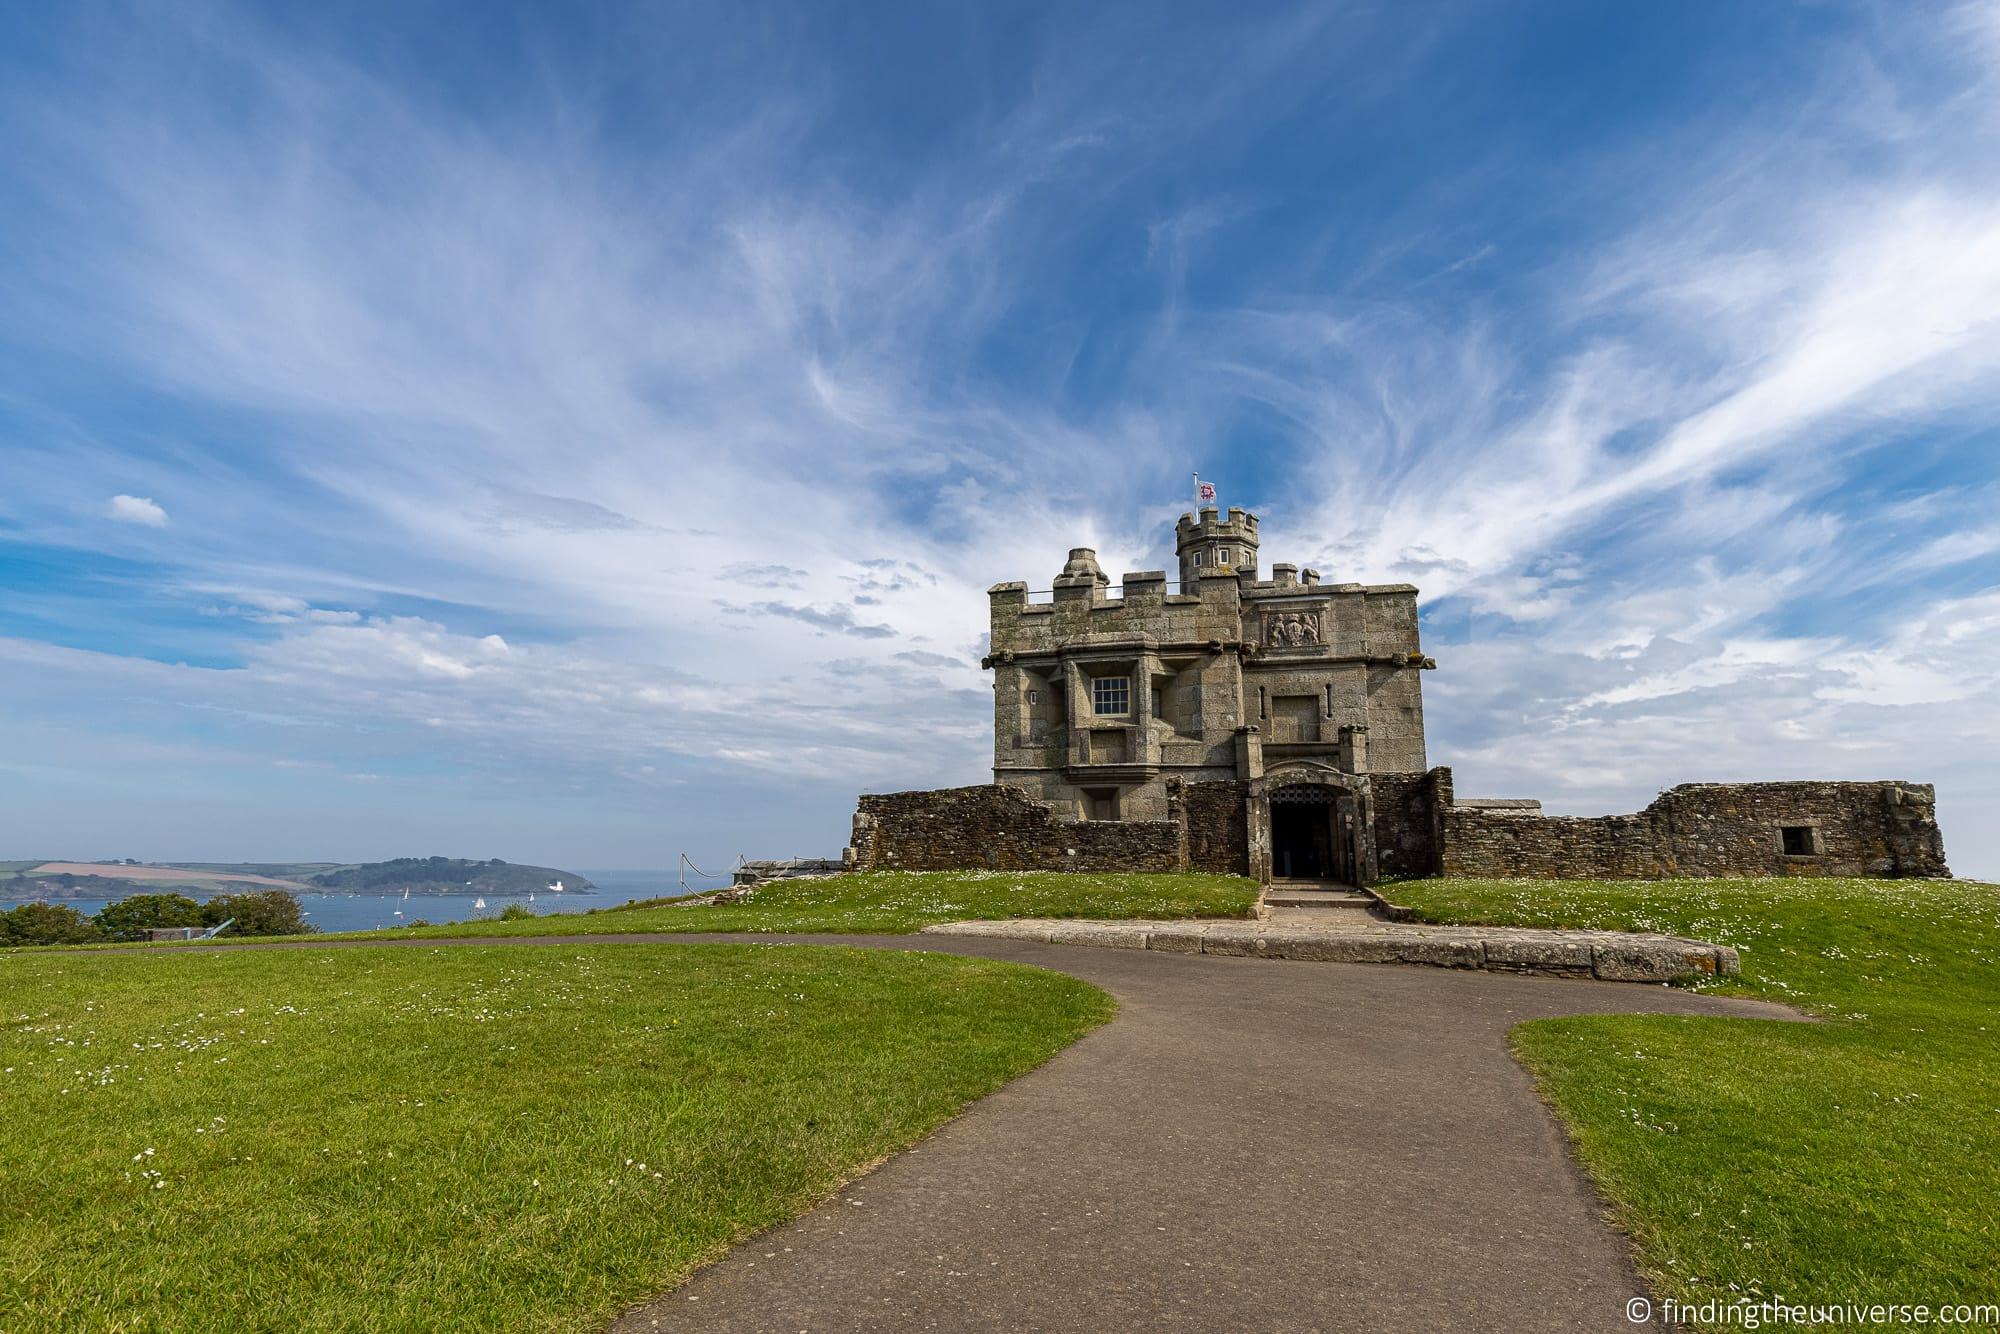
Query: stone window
[
  {"x": 1222, "y": 557},
  {"x": 1197, "y": 560},
  {"x": 1101, "y": 804},
  {"x": 1799, "y": 840},
  {"x": 1111, "y": 695}
]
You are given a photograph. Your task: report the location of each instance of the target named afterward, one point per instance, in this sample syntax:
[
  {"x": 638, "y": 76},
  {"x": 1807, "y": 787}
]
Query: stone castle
[{"x": 1275, "y": 728}]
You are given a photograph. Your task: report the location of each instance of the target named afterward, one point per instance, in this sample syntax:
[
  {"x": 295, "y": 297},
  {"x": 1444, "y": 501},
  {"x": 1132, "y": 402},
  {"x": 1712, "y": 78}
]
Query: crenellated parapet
[{"x": 1206, "y": 542}]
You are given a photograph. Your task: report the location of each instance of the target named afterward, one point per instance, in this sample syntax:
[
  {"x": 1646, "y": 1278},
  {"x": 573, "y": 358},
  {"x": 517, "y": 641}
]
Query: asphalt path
[{"x": 1250, "y": 1144}]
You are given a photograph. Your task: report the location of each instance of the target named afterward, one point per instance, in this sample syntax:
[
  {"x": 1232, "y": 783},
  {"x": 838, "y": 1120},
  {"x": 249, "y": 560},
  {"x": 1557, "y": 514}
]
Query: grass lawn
[
  {"x": 466, "y": 1138},
  {"x": 889, "y": 902},
  {"x": 1852, "y": 1160}
]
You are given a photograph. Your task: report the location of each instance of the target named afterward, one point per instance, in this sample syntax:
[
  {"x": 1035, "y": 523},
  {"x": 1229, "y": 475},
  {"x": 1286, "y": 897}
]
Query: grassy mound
[
  {"x": 472, "y": 1138},
  {"x": 1849, "y": 1161},
  {"x": 891, "y": 902}
]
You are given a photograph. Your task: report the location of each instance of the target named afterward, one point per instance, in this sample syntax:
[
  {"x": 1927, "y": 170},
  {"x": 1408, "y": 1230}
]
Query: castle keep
[
  {"x": 1103, "y": 698},
  {"x": 1274, "y": 727}
]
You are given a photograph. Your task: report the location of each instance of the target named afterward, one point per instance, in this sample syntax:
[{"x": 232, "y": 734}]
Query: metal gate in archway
[{"x": 1313, "y": 833}]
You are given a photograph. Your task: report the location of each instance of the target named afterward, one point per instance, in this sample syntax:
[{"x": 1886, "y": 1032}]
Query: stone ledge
[{"x": 1609, "y": 956}]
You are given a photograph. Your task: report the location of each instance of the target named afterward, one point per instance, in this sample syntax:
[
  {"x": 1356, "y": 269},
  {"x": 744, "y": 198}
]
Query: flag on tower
[{"x": 1203, "y": 491}]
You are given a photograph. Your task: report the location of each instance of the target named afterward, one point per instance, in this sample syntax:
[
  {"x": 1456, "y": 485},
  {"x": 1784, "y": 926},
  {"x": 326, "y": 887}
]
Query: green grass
[
  {"x": 891, "y": 902},
  {"x": 464, "y": 1138},
  {"x": 1856, "y": 1159}
]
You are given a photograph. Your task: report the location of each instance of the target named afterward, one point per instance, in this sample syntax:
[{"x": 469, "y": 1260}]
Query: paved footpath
[{"x": 1250, "y": 1145}]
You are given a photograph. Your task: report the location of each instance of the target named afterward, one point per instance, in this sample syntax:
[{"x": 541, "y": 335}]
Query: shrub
[
  {"x": 129, "y": 919},
  {"x": 264, "y": 912},
  {"x": 516, "y": 912},
  {"x": 46, "y": 924}
]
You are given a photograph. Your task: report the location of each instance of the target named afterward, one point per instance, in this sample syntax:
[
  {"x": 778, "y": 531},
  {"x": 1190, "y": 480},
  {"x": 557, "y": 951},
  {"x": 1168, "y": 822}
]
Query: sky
[{"x": 585, "y": 434}]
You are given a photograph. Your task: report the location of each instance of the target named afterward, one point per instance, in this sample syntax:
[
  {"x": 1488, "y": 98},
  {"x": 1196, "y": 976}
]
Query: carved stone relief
[{"x": 1289, "y": 629}]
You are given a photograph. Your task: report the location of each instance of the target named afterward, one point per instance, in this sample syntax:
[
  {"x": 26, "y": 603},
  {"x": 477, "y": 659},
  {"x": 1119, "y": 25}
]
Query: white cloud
[
  {"x": 136, "y": 509},
  {"x": 663, "y": 425}
]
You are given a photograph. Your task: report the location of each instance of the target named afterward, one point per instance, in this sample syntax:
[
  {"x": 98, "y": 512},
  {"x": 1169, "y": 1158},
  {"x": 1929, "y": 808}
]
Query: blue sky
[{"x": 580, "y": 437}]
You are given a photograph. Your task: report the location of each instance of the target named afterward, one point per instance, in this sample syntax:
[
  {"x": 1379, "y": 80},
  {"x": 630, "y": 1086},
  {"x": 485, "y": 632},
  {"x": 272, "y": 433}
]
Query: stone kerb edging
[{"x": 1609, "y": 956}]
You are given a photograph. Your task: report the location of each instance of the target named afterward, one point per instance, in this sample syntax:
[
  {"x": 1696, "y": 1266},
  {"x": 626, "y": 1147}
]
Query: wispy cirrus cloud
[{"x": 616, "y": 447}]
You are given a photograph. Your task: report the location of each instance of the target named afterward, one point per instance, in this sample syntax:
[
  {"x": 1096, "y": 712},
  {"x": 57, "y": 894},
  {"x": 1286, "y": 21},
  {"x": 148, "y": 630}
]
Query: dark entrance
[{"x": 1306, "y": 835}]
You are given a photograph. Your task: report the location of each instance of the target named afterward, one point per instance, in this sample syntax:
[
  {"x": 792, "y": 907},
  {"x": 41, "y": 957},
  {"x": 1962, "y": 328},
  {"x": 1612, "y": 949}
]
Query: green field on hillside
[
  {"x": 465, "y": 1138},
  {"x": 1857, "y": 1159},
  {"x": 889, "y": 902},
  {"x": 276, "y": 870}
]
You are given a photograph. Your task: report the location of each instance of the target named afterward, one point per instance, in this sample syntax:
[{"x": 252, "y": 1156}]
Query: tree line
[{"x": 266, "y": 912}]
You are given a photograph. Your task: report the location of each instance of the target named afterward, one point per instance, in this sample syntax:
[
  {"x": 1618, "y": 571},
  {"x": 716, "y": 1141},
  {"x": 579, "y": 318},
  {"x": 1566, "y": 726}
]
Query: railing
[{"x": 686, "y": 865}]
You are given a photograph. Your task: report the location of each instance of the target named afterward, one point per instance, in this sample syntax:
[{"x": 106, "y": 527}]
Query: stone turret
[{"x": 1209, "y": 542}]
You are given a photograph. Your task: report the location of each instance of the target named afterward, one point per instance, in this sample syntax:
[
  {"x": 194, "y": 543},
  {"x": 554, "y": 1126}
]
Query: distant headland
[{"x": 413, "y": 876}]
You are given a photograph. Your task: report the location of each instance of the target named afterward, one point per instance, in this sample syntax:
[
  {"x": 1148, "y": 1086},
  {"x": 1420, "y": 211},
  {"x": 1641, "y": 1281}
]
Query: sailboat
[
  {"x": 531, "y": 896},
  {"x": 478, "y": 903}
]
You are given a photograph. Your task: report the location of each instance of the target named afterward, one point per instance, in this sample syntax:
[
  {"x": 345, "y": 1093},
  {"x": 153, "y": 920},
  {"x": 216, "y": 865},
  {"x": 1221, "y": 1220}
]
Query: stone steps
[
  {"x": 1303, "y": 903},
  {"x": 1286, "y": 896}
]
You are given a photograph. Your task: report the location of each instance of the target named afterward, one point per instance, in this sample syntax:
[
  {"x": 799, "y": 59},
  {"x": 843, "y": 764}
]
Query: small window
[
  {"x": 1800, "y": 840},
  {"x": 1034, "y": 697},
  {"x": 1197, "y": 560},
  {"x": 1103, "y": 808},
  {"x": 1223, "y": 557},
  {"x": 1111, "y": 694}
]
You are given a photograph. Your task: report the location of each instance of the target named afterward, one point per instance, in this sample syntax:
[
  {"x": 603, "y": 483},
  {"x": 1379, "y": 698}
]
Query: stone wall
[
  {"x": 969, "y": 828},
  {"x": 1698, "y": 829},
  {"x": 1710, "y": 829},
  {"x": 1212, "y": 813},
  {"x": 1409, "y": 822}
]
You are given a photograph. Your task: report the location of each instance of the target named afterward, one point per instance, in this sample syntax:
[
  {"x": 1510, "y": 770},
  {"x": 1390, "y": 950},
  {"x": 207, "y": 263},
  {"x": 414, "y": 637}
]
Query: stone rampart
[
  {"x": 1409, "y": 824},
  {"x": 1002, "y": 828},
  {"x": 1212, "y": 813},
  {"x": 1710, "y": 829},
  {"x": 1695, "y": 830}
]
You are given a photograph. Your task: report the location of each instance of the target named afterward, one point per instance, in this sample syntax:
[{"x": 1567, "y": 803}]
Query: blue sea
[{"x": 367, "y": 912}]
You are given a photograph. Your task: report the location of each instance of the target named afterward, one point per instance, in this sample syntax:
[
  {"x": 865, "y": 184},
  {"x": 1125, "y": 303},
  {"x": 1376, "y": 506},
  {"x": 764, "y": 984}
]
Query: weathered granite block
[
  {"x": 1710, "y": 829},
  {"x": 1540, "y": 956}
]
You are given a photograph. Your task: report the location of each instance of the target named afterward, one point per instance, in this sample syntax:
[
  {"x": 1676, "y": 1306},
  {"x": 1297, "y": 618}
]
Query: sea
[{"x": 368, "y": 912}]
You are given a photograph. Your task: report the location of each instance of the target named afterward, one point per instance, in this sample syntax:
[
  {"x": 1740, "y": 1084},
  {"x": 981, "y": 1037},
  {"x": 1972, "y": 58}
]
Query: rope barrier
[{"x": 687, "y": 864}]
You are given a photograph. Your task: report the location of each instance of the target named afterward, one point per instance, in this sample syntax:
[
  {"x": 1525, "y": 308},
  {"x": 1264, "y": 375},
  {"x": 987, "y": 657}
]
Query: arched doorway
[
  {"x": 1312, "y": 824},
  {"x": 1306, "y": 835}
]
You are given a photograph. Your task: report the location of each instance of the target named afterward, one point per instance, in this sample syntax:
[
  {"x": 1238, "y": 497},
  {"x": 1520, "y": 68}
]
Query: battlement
[
  {"x": 1206, "y": 542},
  {"x": 1241, "y": 524}
]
